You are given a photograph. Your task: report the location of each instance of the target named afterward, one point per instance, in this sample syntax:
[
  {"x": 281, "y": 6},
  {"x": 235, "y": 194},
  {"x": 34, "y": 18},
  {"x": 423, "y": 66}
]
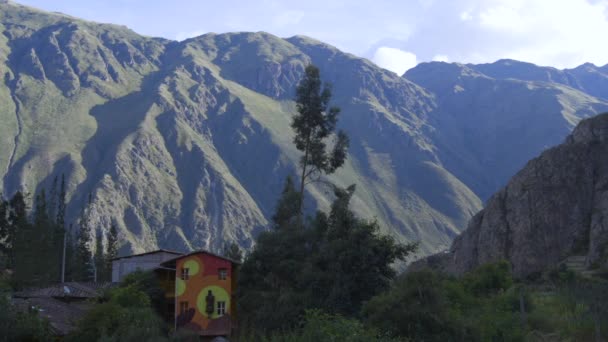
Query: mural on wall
[{"x": 203, "y": 292}]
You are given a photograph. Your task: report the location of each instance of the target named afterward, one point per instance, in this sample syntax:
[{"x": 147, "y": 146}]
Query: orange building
[{"x": 203, "y": 286}]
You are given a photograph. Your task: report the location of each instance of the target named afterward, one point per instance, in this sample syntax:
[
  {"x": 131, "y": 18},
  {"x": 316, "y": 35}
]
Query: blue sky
[{"x": 395, "y": 34}]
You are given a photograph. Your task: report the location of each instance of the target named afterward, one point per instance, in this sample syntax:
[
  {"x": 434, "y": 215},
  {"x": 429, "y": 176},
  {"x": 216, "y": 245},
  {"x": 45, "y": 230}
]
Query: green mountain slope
[{"x": 186, "y": 145}]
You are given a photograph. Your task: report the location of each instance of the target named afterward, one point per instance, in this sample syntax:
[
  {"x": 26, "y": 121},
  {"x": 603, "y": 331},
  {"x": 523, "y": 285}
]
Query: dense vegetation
[
  {"x": 34, "y": 243},
  {"x": 19, "y": 325}
]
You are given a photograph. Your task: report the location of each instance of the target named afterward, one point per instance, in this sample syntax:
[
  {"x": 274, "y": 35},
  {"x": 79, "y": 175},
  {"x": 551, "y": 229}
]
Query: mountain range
[{"x": 186, "y": 145}]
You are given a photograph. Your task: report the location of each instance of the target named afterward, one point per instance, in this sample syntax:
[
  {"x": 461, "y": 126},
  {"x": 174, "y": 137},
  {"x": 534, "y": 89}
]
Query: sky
[{"x": 395, "y": 34}]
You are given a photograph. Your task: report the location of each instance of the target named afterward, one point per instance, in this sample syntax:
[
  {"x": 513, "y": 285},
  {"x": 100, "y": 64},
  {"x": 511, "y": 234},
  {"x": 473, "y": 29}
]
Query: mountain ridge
[{"x": 186, "y": 144}]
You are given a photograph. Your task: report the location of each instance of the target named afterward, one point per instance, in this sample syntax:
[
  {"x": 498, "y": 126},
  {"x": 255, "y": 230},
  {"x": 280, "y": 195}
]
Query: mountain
[
  {"x": 587, "y": 78},
  {"x": 487, "y": 128},
  {"x": 554, "y": 208},
  {"x": 186, "y": 145}
]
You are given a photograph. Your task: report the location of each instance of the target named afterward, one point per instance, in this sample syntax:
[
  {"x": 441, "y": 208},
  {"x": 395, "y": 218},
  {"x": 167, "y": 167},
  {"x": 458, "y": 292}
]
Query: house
[
  {"x": 125, "y": 265},
  {"x": 203, "y": 286}
]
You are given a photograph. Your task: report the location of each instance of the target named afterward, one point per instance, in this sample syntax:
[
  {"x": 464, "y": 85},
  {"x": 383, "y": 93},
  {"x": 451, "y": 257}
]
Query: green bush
[
  {"x": 489, "y": 278},
  {"x": 20, "y": 326},
  {"x": 319, "y": 326},
  {"x": 426, "y": 306},
  {"x": 126, "y": 317},
  {"x": 148, "y": 283}
]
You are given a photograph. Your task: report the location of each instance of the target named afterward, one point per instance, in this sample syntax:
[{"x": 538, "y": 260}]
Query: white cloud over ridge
[
  {"x": 395, "y": 60},
  {"x": 560, "y": 33}
]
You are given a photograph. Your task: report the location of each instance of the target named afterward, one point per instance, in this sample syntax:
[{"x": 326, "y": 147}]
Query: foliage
[
  {"x": 334, "y": 262},
  {"x": 576, "y": 310},
  {"x": 112, "y": 250},
  {"x": 319, "y": 326},
  {"x": 99, "y": 261},
  {"x": 490, "y": 278},
  {"x": 32, "y": 243},
  {"x": 146, "y": 282},
  {"x": 20, "y": 326},
  {"x": 426, "y": 306},
  {"x": 314, "y": 123},
  {"x": 83, "y": 257},
  {"x": 232, "y": 251},
  {"x": 127, "y": 316}
]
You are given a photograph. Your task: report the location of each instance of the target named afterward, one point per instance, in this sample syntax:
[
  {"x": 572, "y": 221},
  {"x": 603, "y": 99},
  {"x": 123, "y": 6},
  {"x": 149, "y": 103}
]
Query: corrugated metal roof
[{"x": 151, "y": 252}]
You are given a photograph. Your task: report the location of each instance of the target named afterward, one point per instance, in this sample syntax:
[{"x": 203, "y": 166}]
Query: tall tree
[
  {"x": 354, "y": 260},
  {"x": 288, "y": 207},
  {"x": 232, "y": 251},
  {"x": 60, "y": 237},
  {"x": 60, "y": 217},
  {"x": 99, "y": 262},
  {"x": 82, "y": 266},
  {"x": 5, "y": 243},
  {"x": 24, "y": 254},
  {"x": 43, "y": 242},
  {"x": 53, "y": 199},
  {"x": 70, "y": 259},
  {"x": 313, "y": 124},
  {"x": 112, "y": 250}
]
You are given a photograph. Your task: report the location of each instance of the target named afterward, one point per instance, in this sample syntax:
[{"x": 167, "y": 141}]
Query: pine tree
[
  {"x": 5, "y": 243},
  {"x": 25, "y": 256},
  {"x": 82, "y": 253},
  {"x": 43, "y": 242},
  {"x": 287, "y": 210},
  {"x": 232, "y": 251},
  {"x": 60, "y": 237},
  {"x": 53, "y": 200},
  {"x": 112, "y": 251},
  {"x": 99, "y": 260},
  {"x": 313, "y": 124},
  {"x": 60, "y": 217},
  {"x": 70, "y": 258}
]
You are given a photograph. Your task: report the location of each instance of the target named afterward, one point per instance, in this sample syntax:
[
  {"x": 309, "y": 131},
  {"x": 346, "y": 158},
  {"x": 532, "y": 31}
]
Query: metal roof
[{"x": 146, "y": 253}]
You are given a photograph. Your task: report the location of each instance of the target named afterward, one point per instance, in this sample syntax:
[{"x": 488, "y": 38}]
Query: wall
[
  {"x": 123, "y": 266},
  {"x": 203, "y": 277}
]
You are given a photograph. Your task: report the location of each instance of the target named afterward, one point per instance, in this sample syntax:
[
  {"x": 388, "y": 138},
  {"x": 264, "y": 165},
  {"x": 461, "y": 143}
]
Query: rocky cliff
[{"x": 555, "y": 207}]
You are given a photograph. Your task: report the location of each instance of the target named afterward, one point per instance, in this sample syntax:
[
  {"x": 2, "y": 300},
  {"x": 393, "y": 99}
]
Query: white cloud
[
  {"x": 466, "y": 16},
  {"x": 180, "y": 36},
  {"x": 558, "y": 33},
  {"x": 441, "y": 58},
  {"x": 395, "y": 60}
]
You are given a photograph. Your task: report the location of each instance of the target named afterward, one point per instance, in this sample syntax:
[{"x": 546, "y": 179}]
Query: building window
[
  {"x": 185, "y": 273},
  {"x": 223, "y": 273},
  {"x": 221, "y": 308},
  {"x": 183, "y": 307}
]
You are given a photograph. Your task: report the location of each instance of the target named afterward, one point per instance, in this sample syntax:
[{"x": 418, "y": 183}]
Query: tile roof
[{"x": 197, "y": 252}]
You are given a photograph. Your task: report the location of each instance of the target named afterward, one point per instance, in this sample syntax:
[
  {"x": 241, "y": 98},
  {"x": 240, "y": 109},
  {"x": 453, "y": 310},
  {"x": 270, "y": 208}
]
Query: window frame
[
  {"x": 185, "y": 274},
  {"x": 220, "y": 308},
  {"x": 222, "y": 273}
]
